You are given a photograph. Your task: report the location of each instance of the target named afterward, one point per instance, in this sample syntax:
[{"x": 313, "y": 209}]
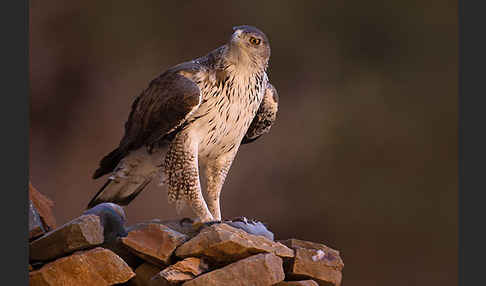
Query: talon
[
  {"x": 198, "y": 225},
  {"x": 209, "y": 223}
]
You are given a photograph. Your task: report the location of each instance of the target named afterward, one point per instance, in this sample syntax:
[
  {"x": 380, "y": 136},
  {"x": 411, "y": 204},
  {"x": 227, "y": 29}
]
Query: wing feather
[
  {"x": 265, "y": 117},
  {"x": 161, "y": 108}
]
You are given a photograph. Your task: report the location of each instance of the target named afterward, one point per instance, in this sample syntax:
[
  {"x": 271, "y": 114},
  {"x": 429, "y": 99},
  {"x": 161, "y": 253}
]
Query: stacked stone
[
  {"x": 41, "y": 218},
  {"x": 96, "y": 249}
]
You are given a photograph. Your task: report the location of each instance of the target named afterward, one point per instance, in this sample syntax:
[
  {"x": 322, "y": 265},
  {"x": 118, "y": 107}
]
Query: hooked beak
[{"x": 236, "y": 36}]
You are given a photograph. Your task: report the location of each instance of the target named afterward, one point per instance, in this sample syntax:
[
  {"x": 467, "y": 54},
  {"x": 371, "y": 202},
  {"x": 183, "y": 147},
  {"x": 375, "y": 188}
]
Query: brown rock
[
  {"x": 297, "y": 243},
  {"x": 184, "y": 226},
  {"x": 97, "y": 266},
  {"x": 222, "y": 243},
  {"x": 258, "y": 270},
  {"x": 143, "y": 274},
  {"x": 44, "y": 206},
  {"x": 80, "y": 233},
  {"x": 324, "y": 266},
  {"x": 36, "y": 228},
  {"x": 121, "y": 250},
  {"x": 326, "y": 270},
  {"x": 183, "y": 270},
  {"x": 298, "y": 283},
  {"x": 154, "y": 242}
]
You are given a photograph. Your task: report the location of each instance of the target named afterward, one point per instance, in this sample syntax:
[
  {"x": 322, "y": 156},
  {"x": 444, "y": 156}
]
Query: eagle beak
[{"x": 236, "y": 35}]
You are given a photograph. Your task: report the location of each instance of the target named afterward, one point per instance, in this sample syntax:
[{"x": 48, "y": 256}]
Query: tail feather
[
  {"x": 121, "y": 193},
  {"x": 130, "y": 175}
]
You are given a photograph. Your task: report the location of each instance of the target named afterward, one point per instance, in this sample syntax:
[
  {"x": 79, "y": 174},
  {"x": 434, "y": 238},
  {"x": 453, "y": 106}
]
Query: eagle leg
[
  {"x": 216, "y": 172},
  {"x": 181, "y": 174}
]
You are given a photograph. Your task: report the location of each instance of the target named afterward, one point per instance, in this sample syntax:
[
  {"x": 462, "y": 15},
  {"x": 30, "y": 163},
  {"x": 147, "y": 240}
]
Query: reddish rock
[
  {"x": 324, "y": 266},
  {"x": 154, "y": 242},
  {"x": 80, "y": 233},
  {"x": 257, "y": 270},
  {"x": 184, "y": 226},
  {"x": 183, "y": 270},
  {"x": 36, "y": 228},
  {"x": 298, "y": 283},
  {"x": 97, "y": 266},
  {"x": 44, "y": 206},
  {"x": 222, "y": 243},
  {"x": 121, "y": 250},
  {"x": 143, "y": 274},
  {"x": 297, "y": 243}
]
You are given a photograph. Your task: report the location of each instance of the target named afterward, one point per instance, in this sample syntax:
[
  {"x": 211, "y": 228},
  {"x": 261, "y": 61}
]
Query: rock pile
[
  {"x": 97, "y": 249},
  {"x": 41, "y": 218}
]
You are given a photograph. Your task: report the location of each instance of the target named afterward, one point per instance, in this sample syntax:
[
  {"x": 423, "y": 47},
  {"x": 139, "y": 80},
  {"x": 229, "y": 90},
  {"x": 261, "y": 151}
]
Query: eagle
[{"x": 194, "y": 116}]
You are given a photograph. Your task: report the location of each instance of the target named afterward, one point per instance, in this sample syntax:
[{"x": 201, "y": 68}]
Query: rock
[
  {"x": 121, "y": 250},
  {"x": 36, "y": 228},
  {"x": 97, "y": 266},
  {"x": 183, "y": 270},
  {"x": 83, "y": 232},
  {"x": 221, "y": 243},
  {"x": 257, "y": 270},
  {"x": 43, "y": 206},
  {"x": 153, "y": 242},
  {"x": 324, "y": 266},
  {"x": 184, "y": 226},
  {"x": 297, "y": 243},
  {"x": 112, "y": 217},
  {"x": 298, "y": 283},
  {"x": 143, "y": 274},
  {"x": 250, "y": 226},
  {"x": 36, "y": 264}
]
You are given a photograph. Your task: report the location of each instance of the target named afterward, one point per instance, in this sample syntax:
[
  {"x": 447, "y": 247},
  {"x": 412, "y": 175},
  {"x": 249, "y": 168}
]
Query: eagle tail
[
  {"x": 129, "y": 177},
  {"x": 121, "y": 193}
]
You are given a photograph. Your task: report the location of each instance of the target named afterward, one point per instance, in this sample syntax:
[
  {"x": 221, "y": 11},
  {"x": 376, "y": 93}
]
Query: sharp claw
[{"x": 198, "y": 225}]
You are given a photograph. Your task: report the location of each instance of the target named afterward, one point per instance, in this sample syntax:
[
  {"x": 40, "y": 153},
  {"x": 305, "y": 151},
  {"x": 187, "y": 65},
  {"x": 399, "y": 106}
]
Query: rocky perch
[{"x": 97, "y": 249}]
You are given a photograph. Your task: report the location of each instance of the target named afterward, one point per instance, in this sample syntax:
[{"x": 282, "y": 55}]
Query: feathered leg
[
  {"x": 216, "y": 172},
  {"x": 181, "y": 172}
]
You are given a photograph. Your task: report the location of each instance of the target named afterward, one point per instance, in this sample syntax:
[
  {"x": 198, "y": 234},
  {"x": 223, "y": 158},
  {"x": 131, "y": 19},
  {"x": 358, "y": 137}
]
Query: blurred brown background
[{"x": 364, "y": 153}]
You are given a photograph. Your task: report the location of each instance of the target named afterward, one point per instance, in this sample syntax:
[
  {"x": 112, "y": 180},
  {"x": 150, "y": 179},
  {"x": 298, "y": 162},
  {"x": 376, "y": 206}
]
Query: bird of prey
[{"x": 195, "y": 114}]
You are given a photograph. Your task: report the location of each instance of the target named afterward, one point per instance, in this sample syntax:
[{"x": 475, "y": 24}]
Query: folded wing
[
  {"x": 265, "y": 117},
  {"x": 161, "y": 108}
]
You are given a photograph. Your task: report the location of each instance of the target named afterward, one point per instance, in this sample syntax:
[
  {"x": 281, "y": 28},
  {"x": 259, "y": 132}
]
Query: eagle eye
[{"x": 255, "y": 41}]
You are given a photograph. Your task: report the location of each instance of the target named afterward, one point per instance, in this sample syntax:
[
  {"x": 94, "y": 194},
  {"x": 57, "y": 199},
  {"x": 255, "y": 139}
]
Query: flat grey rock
[{"x": 250, "y": 226}]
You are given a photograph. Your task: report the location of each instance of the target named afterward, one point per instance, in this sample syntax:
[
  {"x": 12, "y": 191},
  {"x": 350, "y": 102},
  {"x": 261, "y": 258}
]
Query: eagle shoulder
[
  {"x": 159, "y": 110},
  {"x": 265, "y": 116},
  {"x": 162, "y": 107}
]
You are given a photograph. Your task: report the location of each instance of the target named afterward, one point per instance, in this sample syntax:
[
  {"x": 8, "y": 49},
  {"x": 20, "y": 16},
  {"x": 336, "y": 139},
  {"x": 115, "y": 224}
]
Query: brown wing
[
  {"x": 265, "y": 117},
  {"x": 159, "y": 110}
]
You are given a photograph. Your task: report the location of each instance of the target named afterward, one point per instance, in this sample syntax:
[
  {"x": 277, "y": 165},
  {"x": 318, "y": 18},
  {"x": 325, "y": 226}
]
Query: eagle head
[{"x": 248, "y": 42}]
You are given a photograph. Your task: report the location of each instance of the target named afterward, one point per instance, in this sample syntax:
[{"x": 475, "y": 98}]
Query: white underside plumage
[{"x": 225, "y": 114}]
